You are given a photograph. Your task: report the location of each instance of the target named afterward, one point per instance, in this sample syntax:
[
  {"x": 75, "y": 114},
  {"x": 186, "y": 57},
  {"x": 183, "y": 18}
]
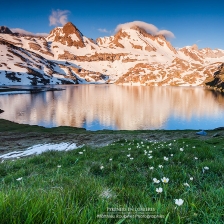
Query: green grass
[
  {"x": 87, "y": 185},
  {"x": 9, "y": 126}
]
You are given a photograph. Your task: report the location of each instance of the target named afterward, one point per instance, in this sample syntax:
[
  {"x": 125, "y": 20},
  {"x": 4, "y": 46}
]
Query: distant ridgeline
[{"x": 133, "y": 56}]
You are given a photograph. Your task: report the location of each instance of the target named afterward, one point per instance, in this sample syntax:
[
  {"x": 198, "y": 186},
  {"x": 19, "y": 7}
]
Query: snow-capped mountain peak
[
  {"x": 68, "y": 35},
  {"x": 133, "y": 56}
]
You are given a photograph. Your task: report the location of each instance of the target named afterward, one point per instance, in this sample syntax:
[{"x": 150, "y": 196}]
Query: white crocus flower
[
  {"x": 156, "y": 181},
  {"x": 151, "y": 168},
  {"x": 159, "y": 190},
  {"x": 160, "y": 166},
  {"x": 179, "y": 202},
  {"x": 166, "y": 158},
  {"x": 186, "y": 184},
  {"x": 20, "y": 178},
  {"x": 181, "y": 149},
  {"x": 165, "y": 180},
  {"x": 101, "y": 167},
  {"x": 205, "y": 168}
]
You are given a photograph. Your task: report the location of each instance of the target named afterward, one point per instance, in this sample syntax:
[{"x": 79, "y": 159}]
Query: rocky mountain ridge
[
  {"x": 217, "y": 82},
  {"x": 130, "y": 57},
  {"x": 6, "y": 30}
]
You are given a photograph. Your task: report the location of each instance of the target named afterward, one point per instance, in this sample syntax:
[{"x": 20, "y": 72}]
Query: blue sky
[{"x": 198, "y": 22}]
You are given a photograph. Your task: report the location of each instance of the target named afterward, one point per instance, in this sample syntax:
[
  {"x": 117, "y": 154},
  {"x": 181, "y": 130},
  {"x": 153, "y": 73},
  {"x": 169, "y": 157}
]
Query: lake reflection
[{"x": 97, "y": 107}]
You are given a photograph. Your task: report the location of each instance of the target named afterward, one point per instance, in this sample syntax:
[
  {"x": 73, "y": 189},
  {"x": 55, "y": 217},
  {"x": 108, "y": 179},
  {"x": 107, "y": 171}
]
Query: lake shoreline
[
  {"x": 14, "y": 136},
  {"x": 30, "y": 90}
]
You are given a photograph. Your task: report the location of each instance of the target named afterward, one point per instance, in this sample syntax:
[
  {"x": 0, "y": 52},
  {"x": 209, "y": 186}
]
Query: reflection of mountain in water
[{"x": 119, "y": 107}]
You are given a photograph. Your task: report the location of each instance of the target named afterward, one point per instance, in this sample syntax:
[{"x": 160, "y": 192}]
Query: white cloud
[
  {"x": 22, "y": 31},
  {"x": 104, "y": 30},
  {"x": 150, "y": 28},
  {"x": 58, "y": 17},
  {"x": 166, "y": 33},
  {"x": 42, "y": 34}
]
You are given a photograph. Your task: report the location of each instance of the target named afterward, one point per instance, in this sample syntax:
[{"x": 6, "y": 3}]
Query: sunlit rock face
[
  {"x": 68, "y": 35},
  {"x": 114, "y": 107},
  {"x": 131, "y": 56}
]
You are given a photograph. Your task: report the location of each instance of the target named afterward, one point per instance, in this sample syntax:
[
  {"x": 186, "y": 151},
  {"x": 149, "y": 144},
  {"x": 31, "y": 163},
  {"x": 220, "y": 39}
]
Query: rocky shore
[
  {"x": 15, "y": 136},
  {"x": 217, "y": 83},
  {"x": 22, "y": 89}
]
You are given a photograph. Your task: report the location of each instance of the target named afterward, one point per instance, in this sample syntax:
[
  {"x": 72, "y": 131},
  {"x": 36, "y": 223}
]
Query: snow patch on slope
[{"x": 39, "y": 149}]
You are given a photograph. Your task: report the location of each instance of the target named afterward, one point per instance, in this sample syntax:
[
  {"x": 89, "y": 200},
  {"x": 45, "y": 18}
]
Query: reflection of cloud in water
[{"x": 121, "y": 107}]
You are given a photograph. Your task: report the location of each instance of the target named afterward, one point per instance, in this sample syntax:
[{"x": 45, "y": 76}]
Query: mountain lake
[{"x": 117, "y": 107}]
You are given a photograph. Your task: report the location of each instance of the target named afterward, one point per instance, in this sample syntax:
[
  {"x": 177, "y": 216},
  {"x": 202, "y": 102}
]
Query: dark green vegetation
[
  {"x": 217, "y": 82},
  {"x": 82, "y": 185},
  {"x": 8, "y": 126}
]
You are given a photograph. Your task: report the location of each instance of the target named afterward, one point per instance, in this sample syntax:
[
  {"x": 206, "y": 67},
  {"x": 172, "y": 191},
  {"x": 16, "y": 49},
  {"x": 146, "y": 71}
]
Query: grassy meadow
[{"x": 128, "y": 181}]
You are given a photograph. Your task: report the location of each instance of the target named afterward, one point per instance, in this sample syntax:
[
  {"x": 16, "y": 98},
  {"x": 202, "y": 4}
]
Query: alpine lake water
[{"x": 115, "y": 107}]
